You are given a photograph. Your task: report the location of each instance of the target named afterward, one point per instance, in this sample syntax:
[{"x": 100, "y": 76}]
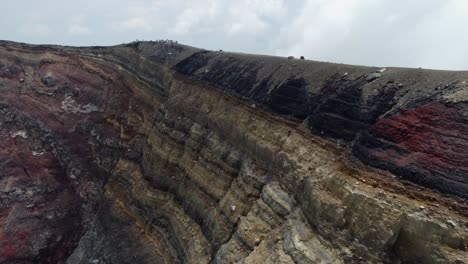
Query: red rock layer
[{"x": 427, "y": 145}]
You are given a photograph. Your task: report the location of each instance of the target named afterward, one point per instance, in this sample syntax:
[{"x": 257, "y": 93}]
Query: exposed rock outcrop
[{"x": 163, "y": 153}]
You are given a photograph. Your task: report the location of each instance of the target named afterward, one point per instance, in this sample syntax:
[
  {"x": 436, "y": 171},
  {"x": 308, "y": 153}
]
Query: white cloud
[
  {"x": 189, "y": 20},
  {"x": 226, "y": 18},
  {"x": 322, "y": 26},
  {"x": 266, "y": 7},
  {"x": 78, "y": 30},
  {"x": 135, "y": 23},
  {"x": 36, "y": 30},
  {"x": 379, "y": 32}
]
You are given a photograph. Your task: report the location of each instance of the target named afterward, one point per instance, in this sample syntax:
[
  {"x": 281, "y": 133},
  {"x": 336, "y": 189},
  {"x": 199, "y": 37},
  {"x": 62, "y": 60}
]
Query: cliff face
[{"x": 163, "y": 153}]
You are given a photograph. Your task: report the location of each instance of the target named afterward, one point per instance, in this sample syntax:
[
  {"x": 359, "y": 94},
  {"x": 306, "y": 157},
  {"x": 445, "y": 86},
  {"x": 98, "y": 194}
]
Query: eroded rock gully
[{"x": 163, "y": 153}]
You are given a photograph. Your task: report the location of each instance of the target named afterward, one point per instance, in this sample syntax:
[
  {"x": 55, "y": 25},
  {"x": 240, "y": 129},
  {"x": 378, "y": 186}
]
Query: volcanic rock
[{"x": 152, "y": 152}]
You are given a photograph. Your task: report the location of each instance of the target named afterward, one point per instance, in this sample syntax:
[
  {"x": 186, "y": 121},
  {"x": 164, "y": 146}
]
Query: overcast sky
[{"x": 408, "y": 33}]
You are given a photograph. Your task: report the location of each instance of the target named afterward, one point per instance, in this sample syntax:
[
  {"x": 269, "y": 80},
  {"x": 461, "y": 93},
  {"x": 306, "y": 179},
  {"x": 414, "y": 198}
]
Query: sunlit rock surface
[{"x": 157, "y": 152}]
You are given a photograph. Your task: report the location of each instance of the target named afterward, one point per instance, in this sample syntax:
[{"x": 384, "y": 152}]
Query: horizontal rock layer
[{"x": 163, "y": 153}]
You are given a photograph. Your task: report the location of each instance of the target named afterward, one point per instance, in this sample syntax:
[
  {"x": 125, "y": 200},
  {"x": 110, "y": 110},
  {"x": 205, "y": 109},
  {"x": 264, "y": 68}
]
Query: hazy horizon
[{"x": 405, "y": 33}]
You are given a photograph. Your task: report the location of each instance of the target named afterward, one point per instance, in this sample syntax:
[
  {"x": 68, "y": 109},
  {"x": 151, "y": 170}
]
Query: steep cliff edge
[{"x": 163, "y": 153}]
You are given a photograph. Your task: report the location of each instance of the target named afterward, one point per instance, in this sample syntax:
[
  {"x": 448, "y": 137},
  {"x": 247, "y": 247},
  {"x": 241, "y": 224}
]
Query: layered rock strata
[{"x": 163, "y": 153}]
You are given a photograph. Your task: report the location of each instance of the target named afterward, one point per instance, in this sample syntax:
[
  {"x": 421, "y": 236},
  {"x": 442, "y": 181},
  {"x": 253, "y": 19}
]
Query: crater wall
[{"x": 162, "y": 153}]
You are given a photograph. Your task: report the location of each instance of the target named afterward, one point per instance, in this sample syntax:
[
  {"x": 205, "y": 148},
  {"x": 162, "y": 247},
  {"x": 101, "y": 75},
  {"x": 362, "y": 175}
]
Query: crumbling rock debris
[
  {"x": 372, "y": 76},
  {"x": 69, "y": 105},
  {"x": 143, "y": 155},
  {"x": 48, "y": 81}
]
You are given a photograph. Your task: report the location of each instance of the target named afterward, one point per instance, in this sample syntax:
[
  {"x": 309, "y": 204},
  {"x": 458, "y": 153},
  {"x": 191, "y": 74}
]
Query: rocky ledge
[{"x": 156, "y": 152}]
